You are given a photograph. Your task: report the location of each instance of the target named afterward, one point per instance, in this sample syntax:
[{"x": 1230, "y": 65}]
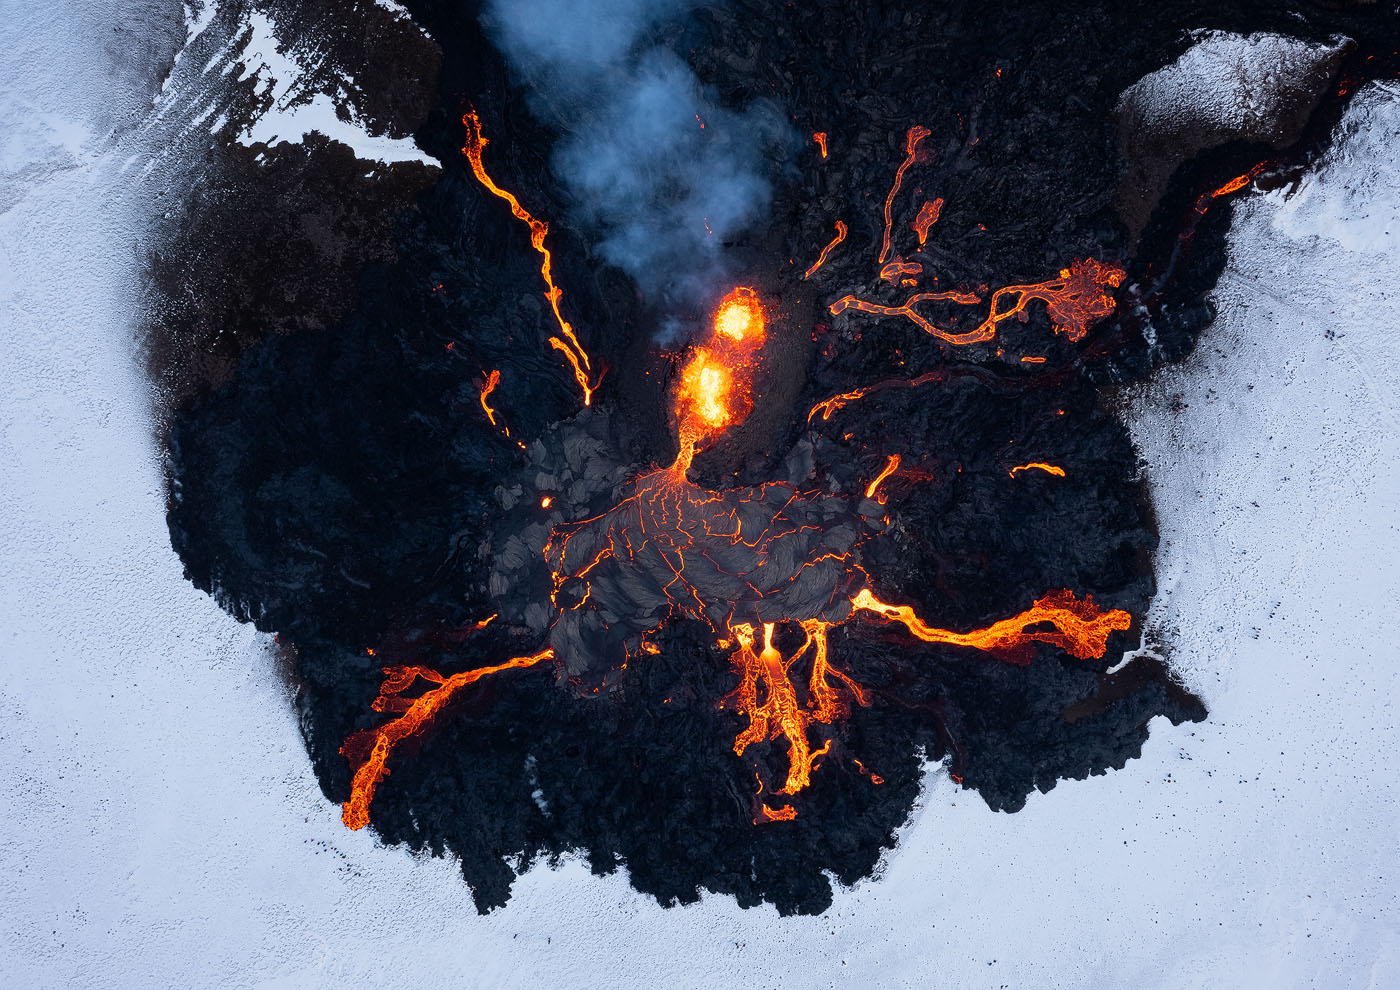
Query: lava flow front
[{"x": 759, "y": 565}]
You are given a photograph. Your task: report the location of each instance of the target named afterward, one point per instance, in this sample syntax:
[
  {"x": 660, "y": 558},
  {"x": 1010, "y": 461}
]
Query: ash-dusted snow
[{"x": 162, "y": 827}]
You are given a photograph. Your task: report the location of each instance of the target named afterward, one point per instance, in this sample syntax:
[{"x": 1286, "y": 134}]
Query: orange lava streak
[
  {"x": 911, "y": 149},
  {"x": 893, "y": 272},
  {"x": 492, "y": 380},
  {"x": 827, "y": 407},
  {"x": 1081, "y": 628},
  {"x": 1075, "y": 301},
  {"x": 821, "y": 258},
  {"x": 369, "y": 751},
  {"x": 820, "y": 138},
  {"x": 569, "y": 345},
  {"x": 1238, "y": 182},
  {"x": 875, "y": 778},
  {"x": 891, "y": 466},
  {"x": 1038, "y": 466},
  {"x": 907, "y": 310},
  {"x": 762, "y": 813},
  {"x": 928, "y": 216},
  {"x": 780, "y": 715}
]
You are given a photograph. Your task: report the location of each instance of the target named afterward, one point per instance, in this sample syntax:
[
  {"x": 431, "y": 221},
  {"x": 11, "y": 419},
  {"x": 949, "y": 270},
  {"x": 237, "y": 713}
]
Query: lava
[
  {"x": 891, "y": 466},
  {"x": 928, "y": 216},
  {"x": 1081, "y": 628},
  {"x": 820, "y": 138},
  {"x": 827, "y": 407},
  {"x": 369, "y": 751},
  {"x": 568, "y": 344},
  {"x": 740, "y": 317},
  {"x": 492, "y": 380},
  {"x": 911, "y": 150},
  {"x": 826, "y": 251},
  {"x": 897, "y": 269},
  {"x": 1038, "y": 466},
  {"x": 1075, "y": 300}
]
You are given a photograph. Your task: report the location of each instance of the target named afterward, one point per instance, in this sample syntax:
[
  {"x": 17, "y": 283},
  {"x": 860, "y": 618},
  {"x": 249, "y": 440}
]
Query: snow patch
[
  {"x": 1226, "y": 82},
  {"x": 293, "y": 113}
]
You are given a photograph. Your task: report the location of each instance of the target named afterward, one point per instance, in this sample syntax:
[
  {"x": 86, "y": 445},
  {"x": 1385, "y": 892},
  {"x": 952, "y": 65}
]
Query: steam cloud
[{"x": 661, "y": 192}]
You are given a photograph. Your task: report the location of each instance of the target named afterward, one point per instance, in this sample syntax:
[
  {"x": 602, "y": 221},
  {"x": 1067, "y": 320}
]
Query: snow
[
  {"x": 294, "y": 114},
  {"x": 1226, "y": 82},
  {"x": 159, "y": 823}
]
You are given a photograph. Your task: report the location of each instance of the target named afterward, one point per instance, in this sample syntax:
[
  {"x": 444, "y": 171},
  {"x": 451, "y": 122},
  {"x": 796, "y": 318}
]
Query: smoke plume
[{"x": 659, "y": 172}]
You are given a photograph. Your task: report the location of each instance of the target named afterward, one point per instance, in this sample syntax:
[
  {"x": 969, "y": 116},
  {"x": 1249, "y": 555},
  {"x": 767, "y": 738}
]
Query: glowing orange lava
[
  {"x": 897, "y": 269},
  {"x": 568, "y": 344},
  {"x": 1038, "y": 466},
  {"x": 1081, "y": 628},
  {"x": 821, "y": 258},
  {"x": 928, "y": 216},
  {"x": 891, "y": 466},
  {"x": 492, "y": 380},
  {"x": 820, "y": 138},
  {"x": 1075, "y": 301},
  {"x": 827, "y": 407},
  {"x": 740, "y": 317},
  {"x": 368, "y": 751},
  {"x": 911, "y": 150}
]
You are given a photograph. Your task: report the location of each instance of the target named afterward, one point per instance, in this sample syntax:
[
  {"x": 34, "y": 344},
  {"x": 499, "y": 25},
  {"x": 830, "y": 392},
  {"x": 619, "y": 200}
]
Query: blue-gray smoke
[{"x": 660, "y": 192}]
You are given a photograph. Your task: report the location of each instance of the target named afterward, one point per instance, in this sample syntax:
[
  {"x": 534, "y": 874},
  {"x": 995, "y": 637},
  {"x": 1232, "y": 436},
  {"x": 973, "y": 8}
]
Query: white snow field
[{"x": 160, "y": 826}]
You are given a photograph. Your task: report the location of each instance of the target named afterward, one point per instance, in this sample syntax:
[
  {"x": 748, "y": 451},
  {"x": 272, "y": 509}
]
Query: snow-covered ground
[{"x": 160, "y": 826}]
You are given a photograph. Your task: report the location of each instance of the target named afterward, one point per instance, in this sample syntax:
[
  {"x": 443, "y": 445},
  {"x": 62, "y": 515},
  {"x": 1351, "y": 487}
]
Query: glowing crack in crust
[{"x": 753, "y": 563}]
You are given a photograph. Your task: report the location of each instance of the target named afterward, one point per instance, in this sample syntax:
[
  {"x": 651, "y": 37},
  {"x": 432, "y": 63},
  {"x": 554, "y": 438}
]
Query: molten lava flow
[
  {"x": 568, "y": 344},
  {"x": 492, "y": 380},
  {"x": 1075, "y": 301},
  {"x": 928, "y": 216},
  {"x": 820, "y": 138},
  {"x": 897, "y": 269},
  {"x": 780, "y": 715},
  {"x": 875, "y": 778},
  {"x": 369, "y": 751},
  {"x": 891, "y": 466},
  {"x": 821, "y": 258},
  {"x": 911, "y": 150},
  {"x": 827, "y": 407},
  {"x": 907, "y": 310},
  {"x": 1038, "y": 466},
  {"x": 705, "y": 391},
  {"x": 1081, "y": 627},
  {"x": 762, "y": 813}
]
